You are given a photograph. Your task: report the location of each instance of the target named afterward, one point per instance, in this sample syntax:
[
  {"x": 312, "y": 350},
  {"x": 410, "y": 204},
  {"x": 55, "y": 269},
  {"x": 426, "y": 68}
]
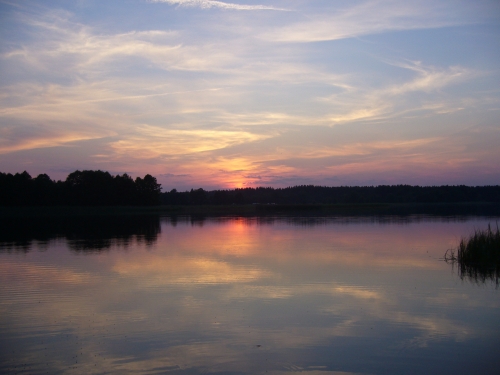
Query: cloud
[
  {"x": 24, "y": 137},
  {"x": 370, "y": 17},
  {"x": 208, "y": 4},
  {"x": 365, "y": 103},
  {"x": 174, "y": 175},
  {"x": 60, "y": 46},
  {"x": 29, "y": 144},
  {"x": 152, "y": 141},
  {"x": 430, "y": 78}
]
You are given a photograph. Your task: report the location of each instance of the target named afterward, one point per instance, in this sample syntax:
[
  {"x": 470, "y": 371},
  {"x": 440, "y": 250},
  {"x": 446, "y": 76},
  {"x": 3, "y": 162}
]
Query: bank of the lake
[{"x": 482, "y": 209}]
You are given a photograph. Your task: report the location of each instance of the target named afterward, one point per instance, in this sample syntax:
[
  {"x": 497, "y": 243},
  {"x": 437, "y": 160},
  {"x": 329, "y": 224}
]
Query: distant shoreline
[
  {"x": 463, "y": 208},
  {"x": 99, "y": 188}
]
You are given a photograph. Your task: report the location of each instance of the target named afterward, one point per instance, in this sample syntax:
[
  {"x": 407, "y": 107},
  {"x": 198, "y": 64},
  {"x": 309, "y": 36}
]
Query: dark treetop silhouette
[{"x": 81, "y": 188}]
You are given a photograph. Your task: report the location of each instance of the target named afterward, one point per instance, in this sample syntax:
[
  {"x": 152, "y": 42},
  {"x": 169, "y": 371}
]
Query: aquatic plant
[{"x": 478, "y": 256}]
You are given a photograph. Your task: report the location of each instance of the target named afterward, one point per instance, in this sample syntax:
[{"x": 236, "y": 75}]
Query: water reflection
[
  {"x": 83, "y": 233},
  {"x": 250, "y": 296},
  {"x": 480, "y": 274},
  {"x": 90, "y": 233}
]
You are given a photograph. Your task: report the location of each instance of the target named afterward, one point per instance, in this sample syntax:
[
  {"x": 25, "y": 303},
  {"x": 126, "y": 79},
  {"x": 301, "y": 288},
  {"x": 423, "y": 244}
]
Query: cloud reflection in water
[{"x": 249, "y": 296}]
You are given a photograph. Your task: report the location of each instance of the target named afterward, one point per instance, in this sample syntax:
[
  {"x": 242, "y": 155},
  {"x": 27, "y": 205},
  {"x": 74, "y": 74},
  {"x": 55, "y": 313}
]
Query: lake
[{"x": 268, "y": 295}]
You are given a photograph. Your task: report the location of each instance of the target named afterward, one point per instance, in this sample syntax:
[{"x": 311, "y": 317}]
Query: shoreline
[{"x": 463, "y": 208}]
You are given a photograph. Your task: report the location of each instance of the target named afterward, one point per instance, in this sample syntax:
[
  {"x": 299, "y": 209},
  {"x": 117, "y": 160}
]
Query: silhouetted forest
[
  {"x": 98, "y": 188},
  {"x": 310, "y": 195},
  {"x": 81, "y": 188}
]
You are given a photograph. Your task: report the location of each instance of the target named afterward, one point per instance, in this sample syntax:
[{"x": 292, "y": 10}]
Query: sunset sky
[{"x": 237, "y": 93}]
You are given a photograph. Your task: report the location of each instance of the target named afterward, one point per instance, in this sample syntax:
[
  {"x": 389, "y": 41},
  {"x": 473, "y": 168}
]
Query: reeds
[{"x": 478, "y": 256}]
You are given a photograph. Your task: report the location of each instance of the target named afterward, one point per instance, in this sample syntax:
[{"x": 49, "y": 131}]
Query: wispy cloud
[
  {"x": 152, "y": 141},
  {"x": 430, "y": 78},
  {"x": 369, "y": 17},
  {"x": 207, "y": 4},
  {"x": 77, "y": 49},
  {"x": 366, "y": 103},
  {"x": 44, "y": 141}
]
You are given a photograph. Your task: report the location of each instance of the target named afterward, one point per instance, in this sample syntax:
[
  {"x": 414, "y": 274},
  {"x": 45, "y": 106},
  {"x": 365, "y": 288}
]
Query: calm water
[{"x": 243, "y": 296}]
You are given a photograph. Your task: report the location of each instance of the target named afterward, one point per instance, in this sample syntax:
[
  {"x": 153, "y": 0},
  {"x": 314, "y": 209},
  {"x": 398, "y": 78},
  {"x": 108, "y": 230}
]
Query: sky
[{"x": 243, "y": 93}]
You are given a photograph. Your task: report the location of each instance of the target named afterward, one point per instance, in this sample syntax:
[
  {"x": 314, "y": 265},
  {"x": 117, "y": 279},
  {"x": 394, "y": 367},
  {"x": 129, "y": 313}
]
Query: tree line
[
  {"x": 81, "y": 188},
  {"x": 309, "y": 194},
  {"x": 99, "y": 188}
]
